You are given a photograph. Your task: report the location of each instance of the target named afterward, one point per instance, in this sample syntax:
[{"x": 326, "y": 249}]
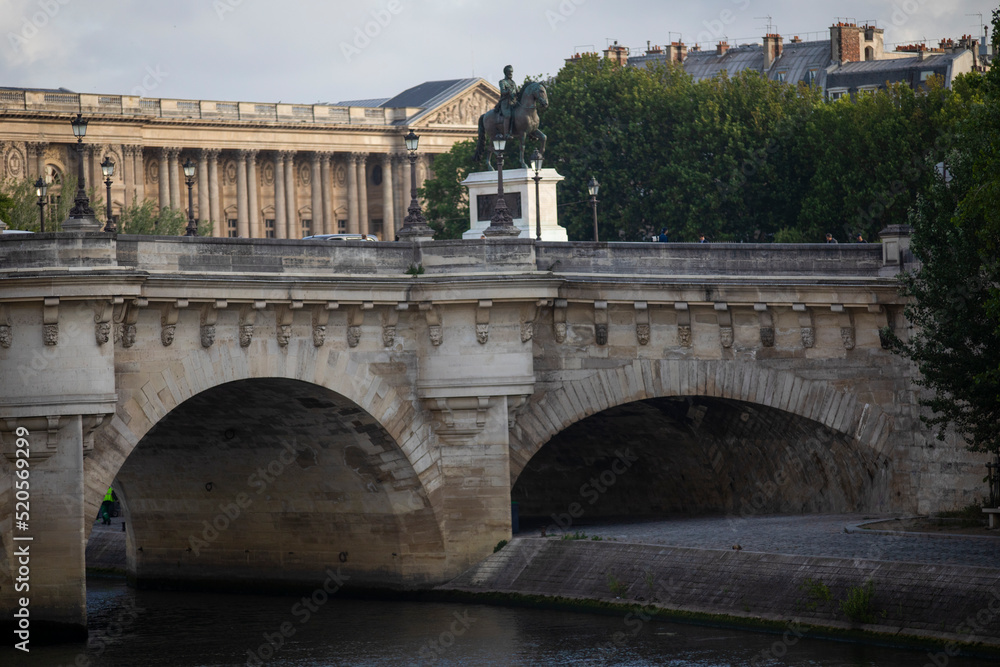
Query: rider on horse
[{"x": 508, "y": 100}]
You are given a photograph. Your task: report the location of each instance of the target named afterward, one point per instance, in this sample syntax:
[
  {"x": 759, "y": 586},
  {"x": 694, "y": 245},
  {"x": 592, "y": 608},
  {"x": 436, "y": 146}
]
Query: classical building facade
[{"x": 264, "y": 170}]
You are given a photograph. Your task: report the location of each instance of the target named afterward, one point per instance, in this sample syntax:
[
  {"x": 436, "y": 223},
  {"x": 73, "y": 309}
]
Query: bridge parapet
[{"x": 490, "y": 256}]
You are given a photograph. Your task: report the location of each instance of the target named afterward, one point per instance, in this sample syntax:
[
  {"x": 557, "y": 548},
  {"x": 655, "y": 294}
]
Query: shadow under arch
[
  {"x": 724, "y": 436},
  {"x": 274, "y": 483}
]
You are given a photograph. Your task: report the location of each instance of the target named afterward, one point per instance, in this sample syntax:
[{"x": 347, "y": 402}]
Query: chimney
[
  {"x": 845, "y": 43},
  {"x": 772, "y": 49},
  {"x": 676, "y": 52},
  {"x": 796, "y": 40},
  {"x": 616, "y": 54},
  {"x": 721, "y": 48}
]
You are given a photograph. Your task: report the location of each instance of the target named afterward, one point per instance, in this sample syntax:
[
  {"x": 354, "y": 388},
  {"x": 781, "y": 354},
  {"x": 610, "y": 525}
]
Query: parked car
[
  {"x": 341, "y": 237},
  {"x": 16, "y": 231}
]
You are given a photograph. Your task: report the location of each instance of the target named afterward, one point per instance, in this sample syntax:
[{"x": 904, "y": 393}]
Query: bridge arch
[
  {"x": 324, "y": 411},
  {"x": 771, "y": 423}
]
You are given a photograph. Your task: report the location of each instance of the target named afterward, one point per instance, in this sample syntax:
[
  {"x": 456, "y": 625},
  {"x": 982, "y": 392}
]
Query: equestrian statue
[{"x": 513, "y": 117}]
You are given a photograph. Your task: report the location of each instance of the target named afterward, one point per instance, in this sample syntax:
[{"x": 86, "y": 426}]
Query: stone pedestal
[{"x": 519, "y": 193}]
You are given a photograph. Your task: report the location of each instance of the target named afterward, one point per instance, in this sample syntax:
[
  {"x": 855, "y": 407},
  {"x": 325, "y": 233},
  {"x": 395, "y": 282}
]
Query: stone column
[
  {"x": 326, "y": 191},
  {"x": 255, "y": 230},
  {"x": 401, "y": 187},
  {"x": 214, "y": 199},
  {"x": 242, "y": 203},
  {"x": 36, "y": 159},
  {"x": 316, "y": 188},
  {"x": 280, "y": 222},
  {"x": 291, "y": 204},
  {"x": 203, "y": 198},
  {"x": 139, "y": 169},
  {"x": 164, "y": 176},
  {"x": 352, "y": 194},
  {"x": 362, "y": 159},
  {"x": 173, "y": 155},
  {"x": 90, "y": 153},
  {"x": 31, "y": 168},
  {"x": 128, "y": 174},
  {"x": 388, "y": 214}
]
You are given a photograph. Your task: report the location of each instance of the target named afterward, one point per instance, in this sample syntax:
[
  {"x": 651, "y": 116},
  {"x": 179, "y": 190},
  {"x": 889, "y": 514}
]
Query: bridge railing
[
  {"x": 715, "y": 259},
  {"x": 486, "y": 257}
]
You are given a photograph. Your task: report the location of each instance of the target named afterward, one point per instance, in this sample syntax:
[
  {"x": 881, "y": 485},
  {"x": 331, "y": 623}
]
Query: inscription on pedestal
[{"x": 484, "y": 205}]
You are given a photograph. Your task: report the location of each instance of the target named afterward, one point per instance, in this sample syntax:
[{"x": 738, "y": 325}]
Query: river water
[{"x": 130, "y": 628}]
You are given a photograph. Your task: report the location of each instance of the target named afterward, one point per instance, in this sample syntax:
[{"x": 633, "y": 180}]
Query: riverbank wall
[{"x": 953, "y": 607}]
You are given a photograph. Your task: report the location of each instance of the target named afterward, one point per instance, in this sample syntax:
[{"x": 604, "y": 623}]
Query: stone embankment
[{"x": 952, "y": 605}]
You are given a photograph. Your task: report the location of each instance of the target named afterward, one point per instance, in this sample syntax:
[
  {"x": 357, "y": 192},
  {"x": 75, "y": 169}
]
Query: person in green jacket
[{"x": 106, "y": 506}]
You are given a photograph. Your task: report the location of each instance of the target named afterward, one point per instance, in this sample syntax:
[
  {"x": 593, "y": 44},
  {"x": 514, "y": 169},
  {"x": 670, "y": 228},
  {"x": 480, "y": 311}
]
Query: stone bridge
[{"x": 270, "y": 411}]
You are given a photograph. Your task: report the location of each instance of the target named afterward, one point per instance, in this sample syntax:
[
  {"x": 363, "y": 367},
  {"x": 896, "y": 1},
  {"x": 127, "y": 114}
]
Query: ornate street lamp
[
  {"x": 592, "y": 187},
  {"x": 81, "y": 216},
  {"x": 536, "y": 166},
  {"x": 501, "y": 224},
  {"x": 108, "y": 169},
  {"x": 189, "y": 171},
  {"x": 414, "y": 224},
  {"x": 40, "y": 189}
]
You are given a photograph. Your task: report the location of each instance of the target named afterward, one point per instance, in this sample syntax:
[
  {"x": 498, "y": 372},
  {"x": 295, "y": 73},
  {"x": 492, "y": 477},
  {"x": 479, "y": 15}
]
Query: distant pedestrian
[
  {"x": 702, "y": 239},
  {"x": 859, "y": 238},
  {"x": 663, "y": 238},
  {"x": 106, "y": 506},
  {"x": 829, "y": 238}
]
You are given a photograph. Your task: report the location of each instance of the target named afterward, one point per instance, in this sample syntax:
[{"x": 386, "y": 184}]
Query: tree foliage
[
  {"x": 21, "y": 211},
  {"x": 447, "y": 209},
  {"x": 144, "y": 218},
  {"x": 956, "y": 289},
  {"x": 739, "y": 158}
]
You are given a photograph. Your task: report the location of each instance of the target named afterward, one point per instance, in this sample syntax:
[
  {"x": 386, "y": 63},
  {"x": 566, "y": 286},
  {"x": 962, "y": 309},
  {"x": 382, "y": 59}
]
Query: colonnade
[
  {"x": 241, "y": 191},
  {"x": 348, "y": 199}
]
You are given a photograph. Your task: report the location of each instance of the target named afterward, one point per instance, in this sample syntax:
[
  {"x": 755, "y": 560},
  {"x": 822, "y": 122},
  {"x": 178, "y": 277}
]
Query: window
[
  {"x": 926, "y": 74},
  {"x": 232, "y": 231},
  {"x": 810, "y": 77},
  {"x": 342, "y": 226},
  {"x": 269, "y": 229},
  {"x": 782, "y": 77},
  {"x": 869, "y": 53},
  {"x": 307, "y": 226},
  {"x": 377, "y": 175}
]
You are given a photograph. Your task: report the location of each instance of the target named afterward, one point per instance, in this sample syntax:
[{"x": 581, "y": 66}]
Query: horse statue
[{"x": 524, "y": 124}]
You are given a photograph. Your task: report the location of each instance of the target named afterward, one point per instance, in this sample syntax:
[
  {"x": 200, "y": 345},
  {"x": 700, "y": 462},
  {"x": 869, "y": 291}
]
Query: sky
[{"x": 309, "y": 51}]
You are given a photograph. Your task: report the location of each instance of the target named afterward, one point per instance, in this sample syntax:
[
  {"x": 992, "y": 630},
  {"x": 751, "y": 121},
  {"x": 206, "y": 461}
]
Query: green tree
[
  {"x": 956, "y": 289},
  {"x": 6, "y": 205},
  {"x": 739, "y": 158},
  {"x": 144, "y": 218},
  {"x": 447, "y": 209},
  {"x": 22, "y": 208}
]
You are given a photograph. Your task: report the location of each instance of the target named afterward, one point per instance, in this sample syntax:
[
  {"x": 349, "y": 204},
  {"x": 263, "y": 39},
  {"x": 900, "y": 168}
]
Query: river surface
[{"x": 149, "y": 628}]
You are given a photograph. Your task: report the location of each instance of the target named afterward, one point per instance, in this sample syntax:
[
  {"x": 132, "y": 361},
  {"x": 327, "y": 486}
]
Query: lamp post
[
  {"x": 108, "y": 169},
  {"x": 414, "y": 224},
  {"x": 81, "y": 216},
  {"x": 501, "y": 224},
  {"x": 189, "y": 171},
  {"x": 536, "y": 166},
  {"x": 592, "y": 188},
  {"x": 40, "y": 190}
]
